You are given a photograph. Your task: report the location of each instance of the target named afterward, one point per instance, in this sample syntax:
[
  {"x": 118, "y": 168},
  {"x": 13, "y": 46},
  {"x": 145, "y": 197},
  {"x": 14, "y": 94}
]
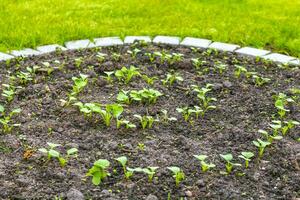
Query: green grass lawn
[{"x": 270, "y": 24}]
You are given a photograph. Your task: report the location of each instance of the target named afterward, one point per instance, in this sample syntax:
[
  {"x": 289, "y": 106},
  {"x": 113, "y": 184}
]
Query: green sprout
[
  {"x": 281, "y": 100},
  {"x": 149, "y": 80},
  {"x": 229, "y": 164},
  {"x": 79, "y": 84},
  {"x": 9, "y": 92},
  {"x": 246, "y": 155},
  {"x": 6, "y": 119},
  {"x": 186, "y": 112},
  {"x": 123, "y": 97},
  {"x": 126, "y": 74},
  {"x": 259, "y": 80},
  {"x": 178, "y": 174},
  {"x": 108, "y": 77},
  {"x": 99, "y": 171},
  {"x": 101, "y": 57},
  {"x": 78, "y": 62},
  {"x": 197, "y": 62},
  {"x": 145, "y": 120},
  {"x": 151, "y": 57},
  {"x": 171, "y": 78},
  {"x": 145, "y": 95},
  {"x": 150, "y": 171},
  {"x": 134, "y": 52},
  {"x": 127, "y": 123},
  {"x": 204, "y": 166},
  {"x": 111, "y": 110},
  {"x": 239, "y": 70},
  {"x": 24, "y": 77},
  {"x": 128, "y": 172},
  {"x": 116, "y": 56},
  {"x": 52, "y": 153},
  {"x": 261, "y": 145},
  {"x": 221, "y": 67},
  {"x": 165, "y": 117},
  {"x": 276, "y": 126},
  {"x": 288, "y": 126},
  {"x": 202, "y": 95},
  {"x": 268, "y": 136}
]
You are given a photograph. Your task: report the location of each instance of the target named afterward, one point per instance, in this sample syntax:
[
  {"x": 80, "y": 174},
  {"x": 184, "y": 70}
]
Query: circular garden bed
[{"x": 149, "y": 122}]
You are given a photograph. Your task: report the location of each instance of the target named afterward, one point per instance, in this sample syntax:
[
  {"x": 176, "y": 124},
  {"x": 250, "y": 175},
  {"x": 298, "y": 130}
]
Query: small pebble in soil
[
  {"x": 151, "y": 197},
  {"x": 74, "y": 194},
  {"x": 188, "y": 193}
]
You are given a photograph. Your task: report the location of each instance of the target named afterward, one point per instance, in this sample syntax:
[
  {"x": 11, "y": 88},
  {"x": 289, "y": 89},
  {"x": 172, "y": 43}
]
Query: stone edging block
[
  {"x": 25, "y": 52},
  {"x": 252, "y": 51},
  {"x": 166, "y": 40},
  {"x": 195, "y": 42},
  {"x": 276, "y": 57},
  {"x": 4, "y": 56},
  {"x": 50, "y": 48},
  {"x": 131, "y": 39},
  {"x": 224, "y": 46},
  {"x": 79, "y": 44},
  {"x": 107, "y": 41}
]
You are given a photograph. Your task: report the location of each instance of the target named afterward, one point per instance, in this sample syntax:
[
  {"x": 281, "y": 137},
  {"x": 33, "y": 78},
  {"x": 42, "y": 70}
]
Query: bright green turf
[{"x": 270, "y": 24}]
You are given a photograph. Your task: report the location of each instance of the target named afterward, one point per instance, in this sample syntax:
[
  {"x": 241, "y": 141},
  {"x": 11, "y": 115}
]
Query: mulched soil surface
[{"x": 242, "y": 109}]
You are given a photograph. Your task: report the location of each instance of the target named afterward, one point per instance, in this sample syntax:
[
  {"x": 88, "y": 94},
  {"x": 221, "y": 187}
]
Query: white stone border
[{"x": 170, "y": 40}]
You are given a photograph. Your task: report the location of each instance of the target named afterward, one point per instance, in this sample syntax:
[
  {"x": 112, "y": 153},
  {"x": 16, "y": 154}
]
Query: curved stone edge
[{"x": 160, "y": 39}]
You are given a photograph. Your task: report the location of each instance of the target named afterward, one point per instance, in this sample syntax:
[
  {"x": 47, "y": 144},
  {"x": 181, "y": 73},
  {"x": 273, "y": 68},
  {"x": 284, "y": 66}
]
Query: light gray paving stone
[
  {"x": 50, "y": 48},
  {"x": 4, "y": 56},
  {"x": 107, "y": 41},
  {"x": 276, "y": 57},
  {"x": 196, "y": 42},
  {"x": 166, "y": 40},
  {"x": 295, "y": 62},
  {"x": 131, "y": 39},
  {"x": 224, "y": 46},
  {"x": 79, "y": 44},
  {"x": 25, "y": 52},
  {"x": 252, "y": 51}
]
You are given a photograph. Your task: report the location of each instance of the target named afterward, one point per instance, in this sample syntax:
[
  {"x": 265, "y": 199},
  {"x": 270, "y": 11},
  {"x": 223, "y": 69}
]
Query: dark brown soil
[{"x": 242, "y": 109}]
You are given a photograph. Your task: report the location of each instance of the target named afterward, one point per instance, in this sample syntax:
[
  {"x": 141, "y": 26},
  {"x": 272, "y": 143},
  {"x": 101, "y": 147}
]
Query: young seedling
[
  {"x": 123, "y": 97},
  {"x": 145, "y": 120},
  {"x": 9, "y": 92},
  {"x": 134, "y": 52},
  {"x": 172, "y": 78},
  {"x": 288, "y": 126},
  {"x": 165, "y": 117},
  {"x": 6, "y": 119},
  {"x": 78, "y": 62},
  {"x": 24, "y": 77},
  {"x": 99, "y": 171},
  {"x": 239, "y": 70},
  {"x": 79, "y": 84},
  {"x": 116, "y": 56},
  {"x": 246, "y": 155},
  {"x": 101, "y": 57},
  {"x": 127, "y": 123},
  {"x": 204, "y": 166},
  {"x": 151, "y": 57},
  {"x": 128, "y": 172},
  {"x": 52, "y": 153},
  {"x": 276, "y": 126},
  {"x": 145, "y": 95},
  {"x": 125, "y": 74},
  {"x": 111, "y": 110},
  {"x": 186, "y": 112},
  {"x": 175, "y": 57},
  {"x": 261, "y": 145},
  {"x": 178, "y": 174},
  {"x": 268, "y": 136},
  {"x": 150, "y": 171},
  {"x": 149, "y": 80},
  {"x": 229, "y": 164},
  {"x": 197, "y": 63},
  {"x": 260, "y": 81},
  {"x": 281, "y": 100},
  {"x": 221, "y": 67},
  {"x": 202, "y": 95},
  {"x": 108, "y": 76}
]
